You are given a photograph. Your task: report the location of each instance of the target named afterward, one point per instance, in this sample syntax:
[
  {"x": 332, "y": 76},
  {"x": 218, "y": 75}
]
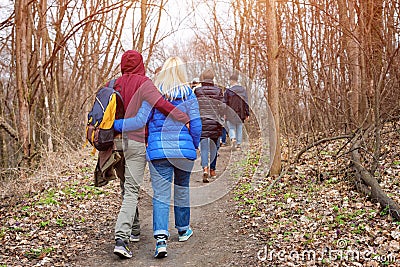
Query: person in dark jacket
[
  {"x": 211, "y": 105},
  {"x": 237, "y": 112},
  {"x": 135, "y": 88}
]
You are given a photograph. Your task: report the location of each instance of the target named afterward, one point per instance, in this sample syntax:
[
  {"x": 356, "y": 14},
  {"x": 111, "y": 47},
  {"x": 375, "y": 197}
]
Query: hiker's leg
[
  {"x": 182, "y": 172},
  {"x": 214, "y": 145},
  {"x": 223, "y": 136},
  {"x": 239, "y": 132},
  {"x": 204, "y": 151},
  {"x": 232, "y": 130},
  {"x": 161, "y": 172},
  {"x": 136, "y": 223},
  {"x": 135, "y": 158},
  {"x": 120, "y": 169}
]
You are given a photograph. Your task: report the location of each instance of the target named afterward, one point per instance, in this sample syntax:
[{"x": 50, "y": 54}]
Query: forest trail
[
  {"x": 65, "y": 221},
  {"x": 215, "y": 241}
]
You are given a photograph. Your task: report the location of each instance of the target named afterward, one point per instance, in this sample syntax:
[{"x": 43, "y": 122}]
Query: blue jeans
[
  {"x": 223, "y": 136},
  {"x": 161, "y": 172},
  {"x": 235, "y": 131},
  {"x": 209, "y": 147}
]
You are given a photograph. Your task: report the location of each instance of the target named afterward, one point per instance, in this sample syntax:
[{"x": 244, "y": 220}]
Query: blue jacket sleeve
[
  {"x": 195, "y": 120},
  {"x": 134, "y": 123}
]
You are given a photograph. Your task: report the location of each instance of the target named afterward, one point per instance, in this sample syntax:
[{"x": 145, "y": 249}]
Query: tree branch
[
  {"x": 376, "y": 192},
  {"x": 324, "y": 140},
  {"x": 7, "y": 127}
]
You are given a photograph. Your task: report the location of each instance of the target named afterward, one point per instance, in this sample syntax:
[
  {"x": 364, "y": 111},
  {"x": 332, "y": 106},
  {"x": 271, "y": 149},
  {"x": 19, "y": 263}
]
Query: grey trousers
[{"x": 135, "y": 162}]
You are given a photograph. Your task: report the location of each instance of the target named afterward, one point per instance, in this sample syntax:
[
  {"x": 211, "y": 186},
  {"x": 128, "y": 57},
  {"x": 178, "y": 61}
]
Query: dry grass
[{"x": 50, "y": 170}]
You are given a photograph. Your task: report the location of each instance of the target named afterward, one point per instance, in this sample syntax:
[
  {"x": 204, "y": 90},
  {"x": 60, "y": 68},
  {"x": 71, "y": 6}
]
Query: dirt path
[{"x": 215, "y": 242}]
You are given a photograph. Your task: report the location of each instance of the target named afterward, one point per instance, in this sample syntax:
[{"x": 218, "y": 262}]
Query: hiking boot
[
  {"x": 213, "y": 174},
  {"x": 185, "y": 235},
  {"x": 205, "y": 175},
  {"x": 121, "y": 249},
  {"x": 161, "y": 248},
  {"x": 238, "y": 147},
  {"x": 134, "y": 238}
]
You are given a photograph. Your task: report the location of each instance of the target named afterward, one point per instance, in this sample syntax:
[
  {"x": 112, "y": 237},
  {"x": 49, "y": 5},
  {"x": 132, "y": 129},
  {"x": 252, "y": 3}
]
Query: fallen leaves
[
  {"x": 51, "y": 227},
  {"x": 305, "y": 211},
  {"x": 309, "y": 211}
]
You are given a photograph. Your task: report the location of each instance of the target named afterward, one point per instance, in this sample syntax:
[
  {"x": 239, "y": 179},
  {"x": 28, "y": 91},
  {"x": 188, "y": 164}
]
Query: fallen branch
[
  {"x": 371, "y": 186},
  {"x": 324, "y": 140}
]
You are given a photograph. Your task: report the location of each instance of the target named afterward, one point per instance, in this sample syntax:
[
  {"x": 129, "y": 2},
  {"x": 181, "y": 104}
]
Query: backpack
[{"x": 107, "y": 106}]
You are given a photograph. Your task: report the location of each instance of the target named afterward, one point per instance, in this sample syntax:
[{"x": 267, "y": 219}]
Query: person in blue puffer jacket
[{"x": 171, "y": 151}]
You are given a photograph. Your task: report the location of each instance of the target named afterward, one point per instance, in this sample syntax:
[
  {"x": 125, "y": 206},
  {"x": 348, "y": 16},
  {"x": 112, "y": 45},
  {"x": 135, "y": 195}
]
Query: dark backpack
[{"x": 107, "y": 106}]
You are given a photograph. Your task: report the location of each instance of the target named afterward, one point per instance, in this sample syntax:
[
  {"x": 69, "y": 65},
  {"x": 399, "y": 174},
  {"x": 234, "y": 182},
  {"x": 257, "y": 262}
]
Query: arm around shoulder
[{"x": 134, "y": 123}]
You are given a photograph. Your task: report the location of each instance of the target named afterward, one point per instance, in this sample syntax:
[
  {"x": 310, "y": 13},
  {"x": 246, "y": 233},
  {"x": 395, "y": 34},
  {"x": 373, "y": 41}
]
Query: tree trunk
[
  {"x": 143, "y": 23},
  {"x": 154, "y": 37},
  {"x": 273, "y": 88},
  {"x": 42, "y": 58},
  {"x": 347, "y": 15},
  {"x": 21, "y": 52}
]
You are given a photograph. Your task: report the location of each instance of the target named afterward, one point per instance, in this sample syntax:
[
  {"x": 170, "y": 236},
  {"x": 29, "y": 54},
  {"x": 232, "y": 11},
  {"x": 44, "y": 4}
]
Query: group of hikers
[{"x": 165, "y": 122}]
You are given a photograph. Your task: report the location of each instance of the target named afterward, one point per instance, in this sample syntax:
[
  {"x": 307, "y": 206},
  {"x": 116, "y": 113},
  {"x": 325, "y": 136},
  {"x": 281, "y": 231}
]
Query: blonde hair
[{"x": 172, "y": 79}]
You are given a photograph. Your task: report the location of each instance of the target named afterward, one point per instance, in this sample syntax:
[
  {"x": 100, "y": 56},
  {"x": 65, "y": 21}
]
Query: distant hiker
[
  {"x": 171, "y": 151},
  {"x": 237, "y": 112},
  {"x": 212, "y": 109},
  {"x": 135, "y": 88}
]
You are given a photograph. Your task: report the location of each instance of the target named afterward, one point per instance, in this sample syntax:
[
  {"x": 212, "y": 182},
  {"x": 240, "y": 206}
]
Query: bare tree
[
  {"x": 62, "y": 54},
  {"x": 21, "y": 58},
  {"x": 273, "y": 86}
]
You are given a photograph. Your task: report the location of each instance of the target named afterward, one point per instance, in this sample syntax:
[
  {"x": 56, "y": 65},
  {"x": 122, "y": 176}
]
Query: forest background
[{"x": 323, "y": 70}]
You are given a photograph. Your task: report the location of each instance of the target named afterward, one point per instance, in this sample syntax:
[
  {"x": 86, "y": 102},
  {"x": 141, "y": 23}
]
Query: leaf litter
[{"x": 313, "y": 208}]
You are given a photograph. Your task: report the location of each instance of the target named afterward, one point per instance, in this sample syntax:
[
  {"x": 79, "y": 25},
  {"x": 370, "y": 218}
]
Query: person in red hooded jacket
[{"x": 135, "y": 87}]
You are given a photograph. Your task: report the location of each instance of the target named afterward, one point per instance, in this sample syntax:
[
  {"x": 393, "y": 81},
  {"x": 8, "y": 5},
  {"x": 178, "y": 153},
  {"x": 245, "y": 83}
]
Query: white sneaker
[{"x": 134, "y": 238}]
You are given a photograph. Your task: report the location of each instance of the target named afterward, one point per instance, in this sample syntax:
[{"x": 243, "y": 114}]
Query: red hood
[{"x": 132, "y": 62}]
